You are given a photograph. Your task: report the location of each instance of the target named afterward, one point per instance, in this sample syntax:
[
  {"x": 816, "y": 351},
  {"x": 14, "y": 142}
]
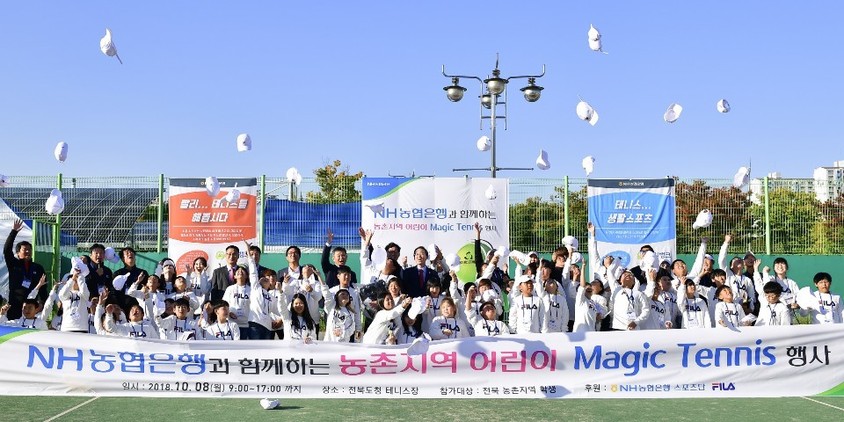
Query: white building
[{"x": 829, "y": 181}]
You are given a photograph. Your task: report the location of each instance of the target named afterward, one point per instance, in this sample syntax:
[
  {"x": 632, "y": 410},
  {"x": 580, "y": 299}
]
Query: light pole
[{"x": 493, "y": 88}]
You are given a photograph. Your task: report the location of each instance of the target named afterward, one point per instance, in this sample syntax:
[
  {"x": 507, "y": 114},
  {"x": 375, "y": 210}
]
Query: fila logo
[{"x": 723, "y": 386}]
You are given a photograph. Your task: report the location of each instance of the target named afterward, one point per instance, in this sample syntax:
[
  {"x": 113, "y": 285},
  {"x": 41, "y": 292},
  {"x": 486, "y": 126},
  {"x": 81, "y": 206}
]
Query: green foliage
[
  {"x": 336, "y": 185},
  {"x": 799, "y": 223}
]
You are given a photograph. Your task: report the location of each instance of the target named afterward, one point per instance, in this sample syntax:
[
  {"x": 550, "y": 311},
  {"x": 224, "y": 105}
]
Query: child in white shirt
[
  {"x": 694, "y": 308},
  {"x": 774, "y": 312},
  {"x": 489, "y": 326},
  {"x": 447, "y": 325},
  {"x": 218, "y": 326},
  {"x": 823, "y": 306},
  {"x": 383, "y": 326},
  {"x": 527, "y": 311},
  {"x": 728, "y": 314}
]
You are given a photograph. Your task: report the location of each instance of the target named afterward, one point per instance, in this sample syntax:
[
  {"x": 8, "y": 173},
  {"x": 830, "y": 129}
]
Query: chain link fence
[{"x": 777, "y": 216}]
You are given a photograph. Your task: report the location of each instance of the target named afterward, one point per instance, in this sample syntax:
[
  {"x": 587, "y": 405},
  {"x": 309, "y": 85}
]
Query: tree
[
  {"x": 336, "y": 185},
  {"x": 731, "y": 213}
]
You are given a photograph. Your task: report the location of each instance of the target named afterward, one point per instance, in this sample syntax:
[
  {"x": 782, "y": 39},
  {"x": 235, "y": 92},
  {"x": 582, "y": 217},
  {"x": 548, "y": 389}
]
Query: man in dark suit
[
  {"x": 24, "y": 274},
  {"x": 224, "y": 276},
  {"x": 414, "y": 279},
  {"x": 100, "y": 277},
  {"x": 329, "y": 270}
]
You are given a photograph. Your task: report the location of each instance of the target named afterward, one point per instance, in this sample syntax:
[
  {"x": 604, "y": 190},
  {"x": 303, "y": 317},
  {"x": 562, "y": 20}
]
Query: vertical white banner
[
  {"x": 202, "y": 225},
  {"x": 629, "y": 213}
]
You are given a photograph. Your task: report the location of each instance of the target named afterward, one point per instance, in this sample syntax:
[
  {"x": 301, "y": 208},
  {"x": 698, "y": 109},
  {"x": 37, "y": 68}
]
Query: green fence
[{"x": 772, "y": 216}]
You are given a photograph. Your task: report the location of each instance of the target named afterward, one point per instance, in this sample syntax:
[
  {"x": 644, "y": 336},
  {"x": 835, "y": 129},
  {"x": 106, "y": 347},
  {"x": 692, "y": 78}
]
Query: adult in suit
[
  {"x": 414, "y": 279},
  {"x": 223, "y": 277}
]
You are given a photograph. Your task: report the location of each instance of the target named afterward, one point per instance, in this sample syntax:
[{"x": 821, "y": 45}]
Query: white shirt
[{"x": 773, "y": 314}]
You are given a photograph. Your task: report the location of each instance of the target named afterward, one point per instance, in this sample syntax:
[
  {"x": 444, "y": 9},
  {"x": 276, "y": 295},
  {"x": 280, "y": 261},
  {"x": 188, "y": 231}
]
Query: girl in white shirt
[
  {"x": 239, "y": 296},
  {"x": 383, "y": 326},
  {"x": 448, "y": 325},
  {"x": 181, "y": 289},
  {"x": 659, "y": 317},
  {"x": 339, "y": 314},
  {"x": 218, "y": 326},
  {"x": 74, "y": 297},
  {"x": 198, "y": 280},
  {"x": 299, "y": 326},
  {"x": 433, "y": 302}
]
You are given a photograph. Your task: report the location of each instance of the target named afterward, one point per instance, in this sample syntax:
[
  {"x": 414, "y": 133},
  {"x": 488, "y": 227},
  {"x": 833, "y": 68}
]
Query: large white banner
[
  {"x": 755, "y": 362},
  {"x": 421, "y": 211},
  {"x": 203, "y": 225},
  {"x": 630, "y": 213}
]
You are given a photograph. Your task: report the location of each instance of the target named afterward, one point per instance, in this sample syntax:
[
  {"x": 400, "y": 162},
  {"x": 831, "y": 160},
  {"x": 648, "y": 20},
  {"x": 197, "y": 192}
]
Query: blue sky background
[{"x": 360, "y": 81}]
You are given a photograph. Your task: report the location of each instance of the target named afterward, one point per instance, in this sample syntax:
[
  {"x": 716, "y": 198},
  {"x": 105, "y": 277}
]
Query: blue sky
[{"x": 360, "y": 81}]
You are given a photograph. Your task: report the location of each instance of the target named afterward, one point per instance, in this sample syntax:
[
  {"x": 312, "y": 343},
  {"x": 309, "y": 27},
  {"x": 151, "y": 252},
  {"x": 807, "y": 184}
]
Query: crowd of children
[{"x": 248, "y": 301}]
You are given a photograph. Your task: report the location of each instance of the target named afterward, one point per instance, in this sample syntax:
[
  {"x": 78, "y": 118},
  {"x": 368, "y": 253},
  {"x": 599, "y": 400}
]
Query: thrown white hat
[
  {"x": 453, "y": 261},
  {"x": 588, "y": 164},
  {"x": 55, "y": 203},
  {"x": 294, "y": 176},
  {"x": 107, "y": 46},
  {"x": 268, "y": 404},
  {"x": 586, "y": 113},
  {"x": 576, "y": 257},
  {"x": 376, "y": 208},
  {"x": 378, "y": 257},
  {"x": 741, "y": 177},
  {"x": 594, "y": 37},
  {"x": 722, "y": 106},
  {"x": 542, "y": 161},
  {"x": 673, "y": 113},
  {"x": 503, "y": 252},
  {"x": 704, "y": 219},
  {"x": 484, "y": 143},
  {"x": 570, "y": 241},
  {"x": 519, "y": 257},
  {"x": 417, "y": 306},
  {"x": 60, "y": 152},
  {"x": 489, "y": 295},
  {"x": 233, "y": 195},
  {"x": 77, "y": 264},
  {"x": 244, "y": 142},
  {"x": 212, "y": 186},
  {"x": 4, "y": 181},
  {"x": 649, "y": 260},
  {"x": 490, "y": 193},
  {"x": 419, "y": 346},
  {"x": 111, "y": 255}
]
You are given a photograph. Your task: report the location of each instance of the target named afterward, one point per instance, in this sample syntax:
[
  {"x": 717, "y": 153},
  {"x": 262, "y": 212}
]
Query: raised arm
[
  {"x": 698, "y": 264},
  {"x": 722, "y": 255}
]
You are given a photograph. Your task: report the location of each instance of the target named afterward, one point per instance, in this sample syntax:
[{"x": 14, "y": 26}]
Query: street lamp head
[
  {"x": 486, "y": 100},
  {"x": 454, "y": 92},
  {"x": 532, "y": 91},
  {"x": 495, "y": 84}
]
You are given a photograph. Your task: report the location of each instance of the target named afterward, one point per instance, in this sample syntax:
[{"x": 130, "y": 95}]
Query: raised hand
[
  {"x": 18, "y": 225},
  {"x": 329, "y": 236}
]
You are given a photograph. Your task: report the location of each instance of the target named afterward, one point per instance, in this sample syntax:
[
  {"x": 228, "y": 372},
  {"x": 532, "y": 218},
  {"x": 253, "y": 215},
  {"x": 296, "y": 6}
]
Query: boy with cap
[
  {"x": 527, "y": 311},
  {"x": 489, "y": 325}
]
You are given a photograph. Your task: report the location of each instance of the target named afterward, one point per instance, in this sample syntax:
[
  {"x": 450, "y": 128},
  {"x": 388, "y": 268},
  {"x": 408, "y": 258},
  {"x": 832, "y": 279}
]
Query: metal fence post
[
  {"x": 160, "y": 237},
  {"x": 767, "y": 219},
  {"x": 57, "y": 239},
  {"x": 263, "y": 195},
  {"x": 566, "y": 205}
]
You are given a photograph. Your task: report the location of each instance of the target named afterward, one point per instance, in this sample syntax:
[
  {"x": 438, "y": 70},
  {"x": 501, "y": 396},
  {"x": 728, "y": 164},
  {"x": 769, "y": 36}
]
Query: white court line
[
  {"x": 70, "y": 410},
  {"x": 825, "y": 404}
]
